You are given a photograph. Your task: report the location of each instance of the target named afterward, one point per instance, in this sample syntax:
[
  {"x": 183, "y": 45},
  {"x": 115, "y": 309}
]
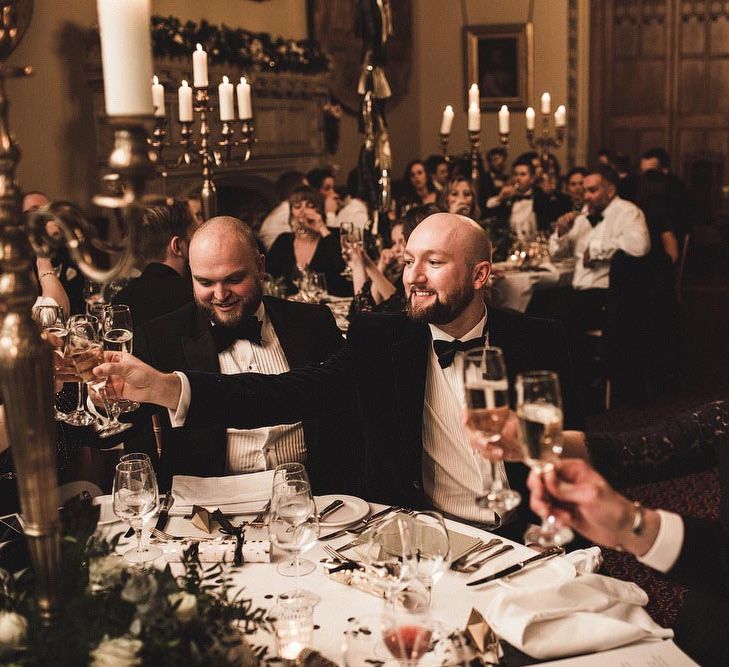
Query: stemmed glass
[
  {"x": 293, "y": 526},
  {"x": 432, "y": 548},
  {"x": 389, "y": 556},
  {"x": 407, "y": 628},
  {"x": 80, "y": 416},
  {"x": 539, "y": 411},
  {"x": 135, "y": 498},
  {"x": 318, "y": 286},
  {"x": 118, "y": 333},
  {"x": 94, "y": 298},
  {"x": 349, "y": 236},
  {"x": 53, "y": 320},
  {"x": 85, "y": 351},
  {"x": 486, "y": 393}
]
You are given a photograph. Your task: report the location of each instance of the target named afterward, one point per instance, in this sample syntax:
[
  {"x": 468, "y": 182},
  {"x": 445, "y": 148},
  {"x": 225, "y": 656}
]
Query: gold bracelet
[{"x": 47, "y": 273}]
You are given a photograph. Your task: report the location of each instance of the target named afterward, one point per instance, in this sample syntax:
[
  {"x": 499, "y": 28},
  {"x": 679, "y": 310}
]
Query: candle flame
[
  {"x": 184, "y": 83},
  {"x": 561, "y": 108},
  {"x": 504, "y": 108},
  {"x": 225, "y": 79},
  {"x": 155, "y": 80},
  {"x": 243, "y": 80},
  {"x": 449, "y": 109},
  {"x": 474, "y": 86},
  {"x": 199, "y": 47}
]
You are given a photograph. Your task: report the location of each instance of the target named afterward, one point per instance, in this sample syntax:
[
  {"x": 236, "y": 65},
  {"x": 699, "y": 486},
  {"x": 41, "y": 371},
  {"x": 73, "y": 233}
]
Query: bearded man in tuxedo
[{"x": 396, "y": 373}]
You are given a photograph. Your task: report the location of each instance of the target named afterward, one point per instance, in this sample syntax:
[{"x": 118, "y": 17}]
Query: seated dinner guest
[
  {"x": 311, "y": 245},
  {"x": 277, "y": 221},
  {"x": 415, "y": 451},
  {"x": 459, "y": 196},
  {"x": 232, "y": 328}
]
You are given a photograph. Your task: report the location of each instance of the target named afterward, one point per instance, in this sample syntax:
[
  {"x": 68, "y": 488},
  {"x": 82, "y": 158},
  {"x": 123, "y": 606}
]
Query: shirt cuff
[
  {"x": 493, "y": 202},
  {"x": 666, "y": 549},
  {"x": 178, "y": 417}
]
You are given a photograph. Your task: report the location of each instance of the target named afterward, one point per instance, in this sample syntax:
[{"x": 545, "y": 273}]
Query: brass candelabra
[
  {"x": 444, "y": 140},
  {"x": 546, "y": 141},
  {"x": 206, "y": 152},
  {"x": 474, "y": 139}
]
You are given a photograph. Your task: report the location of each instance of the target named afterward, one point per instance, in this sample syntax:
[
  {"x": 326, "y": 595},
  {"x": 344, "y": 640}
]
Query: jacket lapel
[
  {"x": 289, "y": 335},
  {"x": 199, "y": 348}
]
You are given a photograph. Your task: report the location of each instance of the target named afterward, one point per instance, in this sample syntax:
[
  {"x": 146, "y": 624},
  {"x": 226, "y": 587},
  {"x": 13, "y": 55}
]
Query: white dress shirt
[
  {"x": 665, "y": 550},
  {"x": 452, "y": 477},
  {"x": 522, "y": 219},
  {"x": 275, "y": 224},
  {"x": 354, "y": 211},
  {"x": 623, "y": 227},
  {"x": 253, "y": 450}
]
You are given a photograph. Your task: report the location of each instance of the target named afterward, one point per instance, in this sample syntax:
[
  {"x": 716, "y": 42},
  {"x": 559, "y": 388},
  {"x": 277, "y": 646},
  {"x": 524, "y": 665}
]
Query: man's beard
[
  {"x": 441, "y": 312},
  {"x": 232, "y": 319}
]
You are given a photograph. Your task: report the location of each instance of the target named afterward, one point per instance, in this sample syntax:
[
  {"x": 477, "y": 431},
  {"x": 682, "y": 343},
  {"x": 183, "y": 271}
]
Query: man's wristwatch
[{"x": 638, "y": 522}]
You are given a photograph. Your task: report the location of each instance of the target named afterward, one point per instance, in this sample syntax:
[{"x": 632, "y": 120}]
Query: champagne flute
[
  {"x": 318, "y": 286},
  {"x": 432, "y": 548},
  {"x": 294, "y": 527},
  {"x": 84, "y": 349},
  {"x": 135, "y": 498},
  {"x": 52, "y": 319},
  {"x": 118, "y": 333},
  {"x": 539, "y": 411},
  {"x": 80, "y": 416},
  {"x": 486, "y": 392},
  {"x": 345, "y": 233}
]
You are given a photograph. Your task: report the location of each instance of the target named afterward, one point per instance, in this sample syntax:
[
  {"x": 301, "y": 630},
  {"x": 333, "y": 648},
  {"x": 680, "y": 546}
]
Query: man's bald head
[
  {"x": 224, "y": 229},
  {"x": 457, "y": 234}
]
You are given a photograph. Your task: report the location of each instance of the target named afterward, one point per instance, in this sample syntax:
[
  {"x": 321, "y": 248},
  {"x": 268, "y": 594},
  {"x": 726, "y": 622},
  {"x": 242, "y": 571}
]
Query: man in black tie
[
  {"x": 232, "y": 328},
  {"x": 415, "y": 451}
]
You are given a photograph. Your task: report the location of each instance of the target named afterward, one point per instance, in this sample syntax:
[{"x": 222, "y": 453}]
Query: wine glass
[
  {"x": 84, "y": 349},
  {"x": 432, "y": 548},
  {"x": 52, "y": 319},
  {"x": 293, "y": 526},
  {"x": 80, "y": 416},
  {"x": 289, "y": 472},
  {"x": 389, "y": 557},
  {"x": 486, "y": 393},
  {"x": 407, "y": 627},
  {"x": 318, "y": 286},
  {"x": 539, "y": 411},
  {"x": 135, "y": 498},
  {"x": 345, "y": 233},
  {"x": 94, "y": 298},
  {"x": 118, "y": 333}
]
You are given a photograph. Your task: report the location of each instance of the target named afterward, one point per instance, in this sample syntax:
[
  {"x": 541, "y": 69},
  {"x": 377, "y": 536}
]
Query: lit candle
[
  {"x": 474, "y": 96},
  {"x": 126, "y": 56},
  {"x": 447, "y": 123},
  {"x": 158, "y": 97},
  {"x": 199, "y": 68},
  {"x": 546, "y": 104},
  {"x": 560, "y": 116},
  {"x": 474, "y": 118},
  {"x": 243, "y": 90},
  {"x": 504, "y": 120},
  {"x": 530, "y": 118},
  {"x": 225, "y": 100},
  {"x": 184, "y": 95}
]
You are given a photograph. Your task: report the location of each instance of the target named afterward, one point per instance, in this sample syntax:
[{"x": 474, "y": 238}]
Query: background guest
[
  {"x": 460, "y": 197},
  {"x": 279, "y": 219},
  {"x": 321, "y": 179},
  {"x": 418, "y": 188},
  {"x": 355, "y": 209},
  {"x": 438, "y": 171}
]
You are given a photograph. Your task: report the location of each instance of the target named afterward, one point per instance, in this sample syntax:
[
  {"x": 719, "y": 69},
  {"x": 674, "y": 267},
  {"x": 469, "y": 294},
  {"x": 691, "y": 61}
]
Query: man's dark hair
[
  {"x": 575, "y": 170},
  {"x": 287, "y": 182},
  {"x": 524, "y": 161},
  {"x": 496, "y": 150},
  {"x": 317, "y": 176},
  {"x": 608, "y": 174},
  {"x": 659, "y": 154},
  {"x": 606, "y": 152},
  {"x": 529, "y": 155},
  {"x": 310, "y": 195},
  {"x": 160, "y": 224},
  {"x": 433, "y": 162},
  {"x": 353, "y": 183}
]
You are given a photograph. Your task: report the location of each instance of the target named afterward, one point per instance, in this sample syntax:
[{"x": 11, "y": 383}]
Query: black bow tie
[
  {"x": 594, "y": 219},
  {"x": 446, "y": 350},
  {"x": 519, "y": 197},
  {"x": 249, "y": 328}
]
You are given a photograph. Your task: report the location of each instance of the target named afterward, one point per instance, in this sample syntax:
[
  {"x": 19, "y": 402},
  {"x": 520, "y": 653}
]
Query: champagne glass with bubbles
[
  {"x": 52, "y": 319},
  {"x": 80, "y": 416},
  {"x": 118, "y": 333},
  {"x": 539, "y": 411},
  {"x": 486, "y": 393}
]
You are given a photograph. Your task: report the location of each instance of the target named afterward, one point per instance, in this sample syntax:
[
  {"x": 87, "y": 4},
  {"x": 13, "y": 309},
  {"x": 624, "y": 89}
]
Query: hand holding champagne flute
[{"x": 118, "y": 335}]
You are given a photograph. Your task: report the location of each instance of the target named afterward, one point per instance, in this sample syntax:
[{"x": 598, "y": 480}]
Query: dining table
[
  {"x": 512, "y": 286},
  {"x": 452, "y": 601}
]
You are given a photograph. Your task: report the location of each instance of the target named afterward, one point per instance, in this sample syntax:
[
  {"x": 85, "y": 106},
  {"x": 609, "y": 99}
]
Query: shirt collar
[{"x": 476, "y": 332}]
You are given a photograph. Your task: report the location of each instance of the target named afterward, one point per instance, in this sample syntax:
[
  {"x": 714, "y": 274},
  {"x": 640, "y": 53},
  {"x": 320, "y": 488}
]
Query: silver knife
[
  {"x": 330, "y": 508},
  {"x": 164, "y": 512},
  {"x": 517, "y": 567}
]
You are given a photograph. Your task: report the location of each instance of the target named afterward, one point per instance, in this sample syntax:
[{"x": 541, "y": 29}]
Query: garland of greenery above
[
  {"x": 171, "y": 38},
  {"x": 123, "y": 616}
]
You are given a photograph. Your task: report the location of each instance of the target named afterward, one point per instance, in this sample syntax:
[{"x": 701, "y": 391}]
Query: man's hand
[
  {"x": 63, "y": 368},
  {"x": 579, "y": 497},
  {"x": 508, "y": 448},
  {"x": 566, "y": 222},
  {"x": 136, "y": 381},
  {"x": 587, "y": 261},
  {"x": 507, "y": 192}
]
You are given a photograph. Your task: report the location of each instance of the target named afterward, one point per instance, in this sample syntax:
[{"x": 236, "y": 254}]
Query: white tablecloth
[{"x": 514, "y": 289}]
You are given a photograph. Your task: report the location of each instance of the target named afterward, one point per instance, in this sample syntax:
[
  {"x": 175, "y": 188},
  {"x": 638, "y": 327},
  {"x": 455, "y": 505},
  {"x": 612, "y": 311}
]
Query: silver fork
[
  {"x": 476, "y": 564},
  {"x": 162, "y": 535},
  {"x": 359, "y": 532},
  {"x": 260, "y": 519},
  {"x": 334, "y": 553}
]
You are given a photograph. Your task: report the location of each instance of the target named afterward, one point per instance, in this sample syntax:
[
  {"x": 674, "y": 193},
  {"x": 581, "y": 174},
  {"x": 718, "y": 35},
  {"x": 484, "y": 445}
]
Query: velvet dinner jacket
[
  {"x": 379, "y": 377},
  {"x": 181, "y": 340}
]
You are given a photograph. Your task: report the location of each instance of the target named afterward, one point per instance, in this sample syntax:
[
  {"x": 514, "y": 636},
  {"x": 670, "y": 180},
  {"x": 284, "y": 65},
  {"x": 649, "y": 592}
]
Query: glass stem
[
  {"x": 80, "y": 401},
  {"x": 138, "y": 533},
  {"x": 296, "y": 566}
]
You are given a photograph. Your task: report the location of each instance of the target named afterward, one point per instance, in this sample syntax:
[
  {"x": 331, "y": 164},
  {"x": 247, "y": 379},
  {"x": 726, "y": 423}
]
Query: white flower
[
  {"x": 187, "y": 609},
  {"x": 117, "y": 652},
  {"x": 140, "y": 590},
  {"x": 106, "y": 572},
  {"x": 13, "y": 630}
]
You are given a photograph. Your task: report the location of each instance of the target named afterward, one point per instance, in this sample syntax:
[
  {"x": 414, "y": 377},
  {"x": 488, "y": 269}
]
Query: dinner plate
[
  {"x": 106, "y": 516},
  {"x": 354, "y": 509},
  {"x": 549, "y": 572}
]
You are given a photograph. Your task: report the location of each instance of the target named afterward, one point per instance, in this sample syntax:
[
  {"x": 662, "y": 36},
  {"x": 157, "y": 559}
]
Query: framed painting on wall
[{"x": 499, "y": 58}]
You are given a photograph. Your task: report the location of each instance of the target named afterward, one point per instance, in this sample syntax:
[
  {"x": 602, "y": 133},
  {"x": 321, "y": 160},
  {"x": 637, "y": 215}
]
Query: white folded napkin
[
  {"x": 234, "y": 493},
  {"x": 585, "y": 561},
  {"x": 587, "y": 614}
]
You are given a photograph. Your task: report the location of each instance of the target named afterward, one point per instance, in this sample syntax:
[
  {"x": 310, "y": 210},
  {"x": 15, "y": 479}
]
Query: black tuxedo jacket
[
  {"x": 158, "y": 291},
  {"x": 181, "y": 340},
  {"x": 380, "y": 374},
  {"x": 547, "y": 208}
]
